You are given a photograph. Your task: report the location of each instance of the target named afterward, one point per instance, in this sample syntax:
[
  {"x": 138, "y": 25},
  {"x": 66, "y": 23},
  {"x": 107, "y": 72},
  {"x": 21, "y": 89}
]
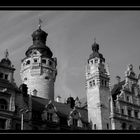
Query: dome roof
[
  {"x": 39, "y": 35},
  {"x": 41, "y": 47},
  {"x": 95, "y": 53},
  {"x": 95, "y": 47},
  {"x": 39, "y": 42},
  {"x": 5, "y": 62}
]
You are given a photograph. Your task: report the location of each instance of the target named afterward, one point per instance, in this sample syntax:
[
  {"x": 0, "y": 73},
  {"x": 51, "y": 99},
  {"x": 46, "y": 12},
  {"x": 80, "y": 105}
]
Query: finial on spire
[
  {"x": 39, "y": 25},
  {"x": 6, "y": 53},
  {"x": 94, "y": 39}
]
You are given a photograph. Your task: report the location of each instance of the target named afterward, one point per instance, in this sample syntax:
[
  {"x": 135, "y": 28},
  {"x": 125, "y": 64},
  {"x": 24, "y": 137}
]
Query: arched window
[
  {"x": 28, "y": 62},
  {"x": 3, "y": 104},
  {"x": 123, "y": 126},
  {"x": 130, "y": 127}
]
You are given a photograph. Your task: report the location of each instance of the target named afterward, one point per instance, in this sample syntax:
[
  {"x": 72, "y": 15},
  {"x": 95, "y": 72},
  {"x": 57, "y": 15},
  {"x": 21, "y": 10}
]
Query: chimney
[
  {"x": 58, "y": 99},
  {"x": 118, "y": 79}
]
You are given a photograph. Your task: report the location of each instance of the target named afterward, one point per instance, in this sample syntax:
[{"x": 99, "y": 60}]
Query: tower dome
[
  {"x": 39, "y": 38},
  {"x": 5, "y": 61},
  {"x": 95, "y": 53}
]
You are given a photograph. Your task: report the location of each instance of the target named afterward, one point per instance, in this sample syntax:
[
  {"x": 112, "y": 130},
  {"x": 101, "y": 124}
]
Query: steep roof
[
  {"x": 38, "y": 104},
  {"x": 117, "y": 87}
]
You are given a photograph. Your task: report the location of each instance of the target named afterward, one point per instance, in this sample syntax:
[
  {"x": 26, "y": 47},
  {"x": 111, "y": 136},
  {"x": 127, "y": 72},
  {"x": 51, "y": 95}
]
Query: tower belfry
[
  {"x": 97, "y": 86},
  {"x": 38, "y": 68}
]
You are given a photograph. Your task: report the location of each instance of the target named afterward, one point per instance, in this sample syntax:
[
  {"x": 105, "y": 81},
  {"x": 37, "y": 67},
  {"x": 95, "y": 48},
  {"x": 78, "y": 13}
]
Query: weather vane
[
  {"x": 40, "y": 21},
  {"x": 95, "y": 39}
]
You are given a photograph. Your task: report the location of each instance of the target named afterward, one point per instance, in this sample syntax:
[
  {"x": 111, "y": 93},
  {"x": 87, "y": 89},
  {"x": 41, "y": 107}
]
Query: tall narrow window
[
  {"x": 136, "y": 114},
  {"x": 107, "y": 125},
  {"x": 129, "y": 112},
  {"x": 75, "y": 122},
  {"x": 94, "y": 126},
  {"x": 90, "y": 83},
  {"x": 1, "y": 75},
  {"x": 6, "y": 76},
  {"x": 2, "y": 123},
  {"x": 93, "y": 82},
  {"x": 123, "y": 126}
]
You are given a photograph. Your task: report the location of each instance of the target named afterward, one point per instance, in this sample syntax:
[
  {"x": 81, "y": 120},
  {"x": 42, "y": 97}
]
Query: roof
[
  {"x": 117, "y": 87},
  {"x": 6, "y": 84},
  {"x": 38, "y": 104}
]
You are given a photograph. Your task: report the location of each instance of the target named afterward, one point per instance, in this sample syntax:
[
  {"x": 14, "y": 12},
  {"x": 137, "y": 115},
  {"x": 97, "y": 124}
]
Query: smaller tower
[
  {"x": 97, "y": 85},
  {"x": 6, "y": 68}
]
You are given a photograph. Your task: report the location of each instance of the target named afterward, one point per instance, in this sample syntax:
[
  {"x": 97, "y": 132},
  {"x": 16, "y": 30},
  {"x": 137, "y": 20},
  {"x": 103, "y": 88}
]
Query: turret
[
  {"x": 38, "y": 68},
  {"x": 97, "y": 86}
]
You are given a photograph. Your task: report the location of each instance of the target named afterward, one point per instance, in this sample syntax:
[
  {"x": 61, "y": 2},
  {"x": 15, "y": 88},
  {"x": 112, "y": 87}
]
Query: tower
[
  {"x": 38, "y": 68},
  {"x": 97, "y": 86}
]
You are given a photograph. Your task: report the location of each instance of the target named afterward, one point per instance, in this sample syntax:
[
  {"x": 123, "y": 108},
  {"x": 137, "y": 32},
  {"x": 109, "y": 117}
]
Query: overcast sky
[{"x": 70, "y": 36}]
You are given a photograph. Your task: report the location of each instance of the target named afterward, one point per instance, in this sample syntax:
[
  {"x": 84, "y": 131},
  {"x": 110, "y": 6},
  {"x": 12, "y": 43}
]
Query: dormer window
[
  {"x": 50, "y": 63},
  {"x": 35, "y": 60},
  {"x": 75, "y": 119},
  {"x": 96, "y": 60},
  {"x": 91, "y": 61},
  {"x": 44, "y": 61}
]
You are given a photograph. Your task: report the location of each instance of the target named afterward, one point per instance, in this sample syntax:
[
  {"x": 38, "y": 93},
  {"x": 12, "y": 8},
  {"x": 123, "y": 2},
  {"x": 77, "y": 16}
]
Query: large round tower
[{"x": 38, "y": 68}]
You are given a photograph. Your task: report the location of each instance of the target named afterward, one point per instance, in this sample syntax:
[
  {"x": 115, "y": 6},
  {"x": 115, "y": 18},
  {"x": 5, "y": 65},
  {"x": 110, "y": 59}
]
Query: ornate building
[
  {"x": 125, "y": 102},
  {"x": 32, "y": 106}
]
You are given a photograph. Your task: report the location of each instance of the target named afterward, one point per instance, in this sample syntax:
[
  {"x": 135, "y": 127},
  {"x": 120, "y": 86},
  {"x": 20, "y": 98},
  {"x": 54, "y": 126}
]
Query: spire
[{"x": 6, "y": 54}]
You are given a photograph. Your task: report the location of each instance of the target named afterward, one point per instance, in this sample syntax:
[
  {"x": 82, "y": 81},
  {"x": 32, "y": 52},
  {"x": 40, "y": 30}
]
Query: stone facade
[
  {"x": 125, "y": 102},
  {"x": 98, "y": 92}
]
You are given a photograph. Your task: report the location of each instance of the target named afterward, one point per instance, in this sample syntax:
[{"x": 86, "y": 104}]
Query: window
[
  {"x": 102, "y": 82},
  {"x": 127, "y": 98},
  {"x": 49, "y": 116},
  {"x": 94, "y": 126},
  {"x": 50, "y": 63},
  {"x": 105, "y": 83},
  {"x": 1, "y": 75},
  {"x": 25, "y": 78},
  {"x": 136, "y": 114},
  {"x": 35, "y": 60},
  {"x": 129, "y": 112},
  {"x": 93, "y": 82},
  {"x": 96, "y": 60},
  {"x": 130, "y": 127},
  {"x": 28, "y": 62},
  {"x": 75, "y": 122},
  {"x": 6, "y": 76},
  {"x": 107, "y": 125},
  {"x": 43, "y": 61},
  {"x": 3, "y": 104},
  {"x": 91, "y": 61},
  {"x": 2, "y": 123},
  {"x": 122, "y": 111},
  {"x": 123, "y": 126},
  {"x": 90, "y": 84}
]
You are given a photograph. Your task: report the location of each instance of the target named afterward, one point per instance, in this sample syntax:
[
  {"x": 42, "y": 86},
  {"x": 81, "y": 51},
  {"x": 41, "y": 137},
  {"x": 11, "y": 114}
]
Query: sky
[{"x": 70, "y": 37}]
